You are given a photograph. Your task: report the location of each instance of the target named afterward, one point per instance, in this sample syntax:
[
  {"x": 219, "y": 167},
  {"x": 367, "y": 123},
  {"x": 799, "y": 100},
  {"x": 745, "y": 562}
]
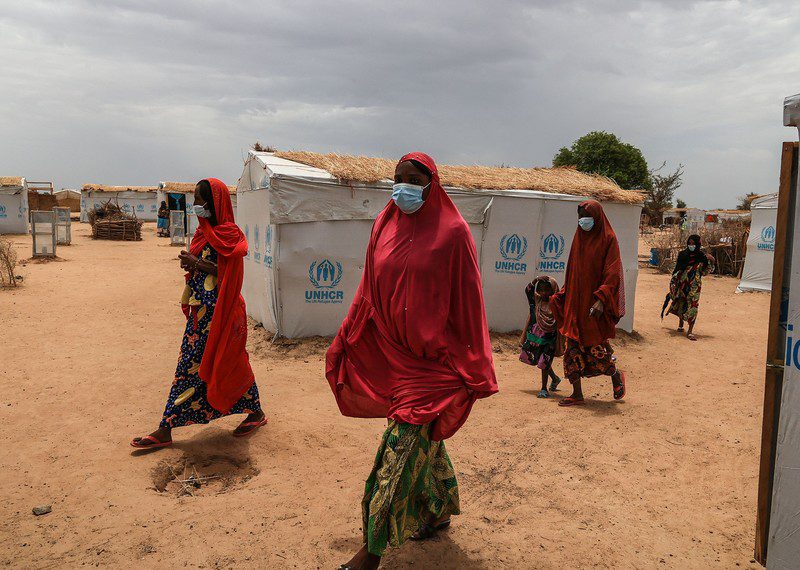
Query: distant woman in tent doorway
[
  {"x": 591, "y": 303},
  {"x": 414, "y": 349},
  {"x": 213, "y": 378},
  {"x": 686, "y": 283}
]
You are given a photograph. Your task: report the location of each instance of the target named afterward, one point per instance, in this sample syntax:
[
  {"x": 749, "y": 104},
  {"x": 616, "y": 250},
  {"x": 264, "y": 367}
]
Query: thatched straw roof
[
  {"x": 106, "y": 188},
  {"x": 553, "y": 180},
  {"x": 11, "y": 181},
  {"x": 186, "y": 187}
]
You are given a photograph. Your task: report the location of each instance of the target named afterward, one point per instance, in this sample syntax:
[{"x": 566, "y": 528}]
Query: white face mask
[
  {"x": 200, "y": 211},
  {"x": 692, "y": 247},
  {"x": 586, "y": 224}
]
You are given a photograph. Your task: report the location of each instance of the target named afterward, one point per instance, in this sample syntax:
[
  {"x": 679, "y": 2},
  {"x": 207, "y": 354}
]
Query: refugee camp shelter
[
  {"x": 777, "y": 542},
  {"x": 720, "y": 216},
  {"x": 308, "y": 217},
  {"x": 138, "y": 200},
  {"x": 694, "y": 216},
  {"x": 179, "y": 196},
  {"x": 757, "y": 272},
  {"x": 69, "y": 198},
  {"x": 13, "y": 205}
]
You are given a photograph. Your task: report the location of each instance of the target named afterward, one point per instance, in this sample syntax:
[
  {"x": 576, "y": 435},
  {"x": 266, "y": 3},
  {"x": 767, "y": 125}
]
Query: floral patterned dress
[
  {"x": 412, "y": 479},
  {"x": 685, "y": 290},
  {"x": 187, "y": 403}
]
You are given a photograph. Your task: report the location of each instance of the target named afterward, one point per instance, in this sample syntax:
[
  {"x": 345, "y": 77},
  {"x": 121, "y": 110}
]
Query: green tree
[
  {"x": 662, "y": 188},
  {"x": 744, "y": 201},
  {"x": 680, "y": 203},
  {"x": 603, "y": 153}
]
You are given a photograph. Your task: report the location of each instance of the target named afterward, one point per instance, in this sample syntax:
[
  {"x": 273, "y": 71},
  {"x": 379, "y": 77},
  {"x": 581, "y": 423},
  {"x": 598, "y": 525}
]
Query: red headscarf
[
  {"x": 415, "y": 345},
  {"x": 225, "y": 367},
  {"x": 594, "y": 271}
]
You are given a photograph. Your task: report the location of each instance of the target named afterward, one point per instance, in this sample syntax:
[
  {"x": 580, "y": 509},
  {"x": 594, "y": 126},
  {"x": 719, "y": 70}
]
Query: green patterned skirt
[{"x": 411, "y": 480}]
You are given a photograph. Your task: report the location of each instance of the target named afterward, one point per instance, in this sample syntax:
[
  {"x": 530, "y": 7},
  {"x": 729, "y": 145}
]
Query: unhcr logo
[
  {"x": 551, "y": 250},
  {"x": 140, "y": 208},
  {"x": 247, "y": 239},
  {"x": 512, "y": 249},
  {"x": 268, "y": 246},
  {"x": 257, "y": 244},
  {"x": 325, "y": 276},
  {"x": 3, "y": 211},
  {"x": 767, "y": 242}
]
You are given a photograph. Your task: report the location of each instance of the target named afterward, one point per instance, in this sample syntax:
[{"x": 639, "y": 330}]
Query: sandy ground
[{"x": 665, "y": 479}]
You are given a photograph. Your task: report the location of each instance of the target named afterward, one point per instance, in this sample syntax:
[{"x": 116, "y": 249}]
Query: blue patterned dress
[{"x": 187, "y": 404}]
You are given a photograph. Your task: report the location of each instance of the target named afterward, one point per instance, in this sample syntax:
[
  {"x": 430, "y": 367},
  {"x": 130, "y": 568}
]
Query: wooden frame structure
[{"x": 776, "y": 343}]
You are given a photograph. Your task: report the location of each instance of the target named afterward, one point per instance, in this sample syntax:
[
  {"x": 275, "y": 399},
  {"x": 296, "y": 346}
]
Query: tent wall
[
  {"x": 783, "y": 545},
  {"x": 320, "y": 230},
  {"x": 143, "y": 204},
  {"x": 757, "y": 272},
  {"x": 259, "y": 264},
  {"x": 13, "y": 210}
]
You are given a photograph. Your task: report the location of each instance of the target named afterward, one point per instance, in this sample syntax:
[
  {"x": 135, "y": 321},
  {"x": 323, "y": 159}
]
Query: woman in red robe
[
  {"x": 591, "y": 303},
  {"x": 213, "y": 377},
  {"x": 414, "y": 348}
]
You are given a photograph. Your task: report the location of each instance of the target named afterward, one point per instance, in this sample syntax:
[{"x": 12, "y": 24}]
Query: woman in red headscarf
[
  {"x": 213, "y": 378},
  {"x": 414, "y": 348},
  {"x": 591, "y": 303}
]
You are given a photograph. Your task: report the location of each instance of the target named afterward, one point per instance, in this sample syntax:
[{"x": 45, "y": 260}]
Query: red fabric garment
[
  {"x": 594, "y": 271},
  {"x": 415, "y": 344},
  {"x": 225, "y": 367}
]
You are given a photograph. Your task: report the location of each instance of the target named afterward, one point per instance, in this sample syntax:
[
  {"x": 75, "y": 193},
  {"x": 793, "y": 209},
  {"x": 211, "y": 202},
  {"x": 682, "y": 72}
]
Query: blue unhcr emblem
[
  {"x": 512, "y": 249},
  {"x": 325, "y": 276}
]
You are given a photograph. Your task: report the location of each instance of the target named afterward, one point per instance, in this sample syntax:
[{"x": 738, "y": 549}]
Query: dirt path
[{"x": 666, "y": 479}]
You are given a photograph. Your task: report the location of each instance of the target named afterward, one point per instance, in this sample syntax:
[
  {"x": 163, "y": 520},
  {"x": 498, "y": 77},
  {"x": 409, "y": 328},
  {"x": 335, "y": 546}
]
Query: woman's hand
[
  {"x": 188, "y": 261},
  {"x": 522, "y": 339},
  {"x": 597, "y": 309}
]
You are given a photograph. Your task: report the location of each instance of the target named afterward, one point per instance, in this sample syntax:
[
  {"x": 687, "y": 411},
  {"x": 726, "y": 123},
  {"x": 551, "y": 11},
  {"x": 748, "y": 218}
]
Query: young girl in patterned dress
[{"x": 539, "y": 339}]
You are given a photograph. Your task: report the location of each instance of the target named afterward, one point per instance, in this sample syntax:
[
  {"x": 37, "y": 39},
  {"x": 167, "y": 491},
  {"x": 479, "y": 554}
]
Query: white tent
[
  {"x": 777, "y": 538},
  {"x": 757, "y": 272},
  {"x": 139, "y": 200},
  {"x": 13, "y": 205},
  {"x": 308, "y": 234}
]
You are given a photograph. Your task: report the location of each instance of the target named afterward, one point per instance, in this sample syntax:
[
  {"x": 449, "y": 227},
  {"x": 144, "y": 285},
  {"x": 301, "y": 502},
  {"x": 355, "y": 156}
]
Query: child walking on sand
[{"x": 539, "y": 339}]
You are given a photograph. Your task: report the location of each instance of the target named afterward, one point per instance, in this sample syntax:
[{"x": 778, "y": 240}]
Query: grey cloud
[{"x": 133, "y": 92}]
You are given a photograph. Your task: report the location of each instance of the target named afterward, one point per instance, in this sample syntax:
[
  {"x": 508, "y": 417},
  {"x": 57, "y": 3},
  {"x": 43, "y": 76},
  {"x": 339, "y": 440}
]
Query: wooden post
[{"x": 775, "y": 349}]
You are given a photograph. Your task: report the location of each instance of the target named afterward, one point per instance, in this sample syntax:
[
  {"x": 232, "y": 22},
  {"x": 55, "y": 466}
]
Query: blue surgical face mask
[
  {"x": 408, "y": 197},
  {"x": 692, "y": 247},
  {"x": 200, "y": 211},
  {"x": 586, "y": 224}
]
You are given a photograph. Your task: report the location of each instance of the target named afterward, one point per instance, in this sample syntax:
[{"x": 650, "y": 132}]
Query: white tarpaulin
[
  {"x": 308, "y": 236},
  {"x": 14, "y": 209},
  {"x": 784, "y": 539},
  {"x": 143, "y": 204},
  {"x": 757, "y": 272}
]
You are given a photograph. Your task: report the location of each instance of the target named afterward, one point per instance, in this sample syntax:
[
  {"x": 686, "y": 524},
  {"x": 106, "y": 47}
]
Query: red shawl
[
  {"x": 225, "y": 367},
  {"x": 415, "y": 345},
  {"x": 594, "y": 271}
]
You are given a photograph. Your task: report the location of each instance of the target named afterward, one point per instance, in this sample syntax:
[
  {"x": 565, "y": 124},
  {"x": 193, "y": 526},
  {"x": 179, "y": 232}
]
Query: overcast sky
[{"x": 133, "y": 92}]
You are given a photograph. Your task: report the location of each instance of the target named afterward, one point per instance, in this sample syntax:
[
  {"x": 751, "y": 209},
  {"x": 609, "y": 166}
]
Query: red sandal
[
  {"x": 619, "y": 391},
  {"x": 253, "y": 425},
  {"x": 570, "y": 401},
  {"x": 154, "y": 443}
]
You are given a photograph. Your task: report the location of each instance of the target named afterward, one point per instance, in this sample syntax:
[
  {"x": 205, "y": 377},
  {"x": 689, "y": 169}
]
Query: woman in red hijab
[
  {"x": 414, "y": 348},
  {"x": 213, "y": 378},
  {"x": 591, "y": 303}
]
